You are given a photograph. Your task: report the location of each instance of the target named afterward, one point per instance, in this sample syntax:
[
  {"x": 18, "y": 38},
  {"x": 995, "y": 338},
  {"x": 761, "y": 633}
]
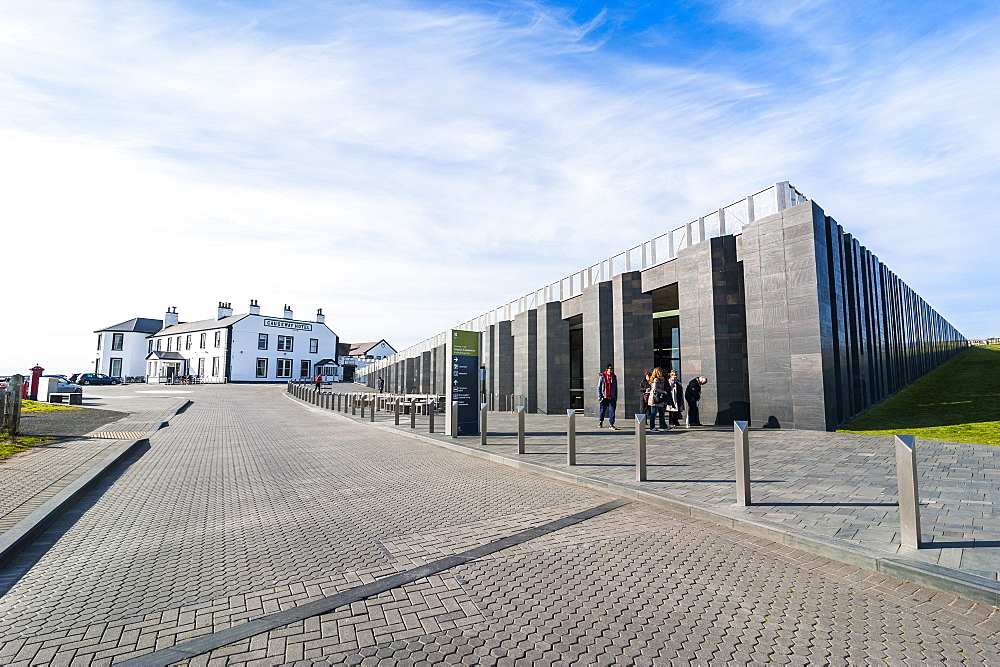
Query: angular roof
[
  {"x": 140, "y": 324},
  {"x": 169, "y": 356},
  {"x": 358, "y": 349},
  {"x": 201, "y": 325}
]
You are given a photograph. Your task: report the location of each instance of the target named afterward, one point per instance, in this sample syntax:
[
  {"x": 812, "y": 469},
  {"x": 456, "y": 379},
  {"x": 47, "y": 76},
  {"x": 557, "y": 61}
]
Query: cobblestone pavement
[
  {"x": 839, "y": 485},
  {"x": 31, "y": 477},
  {"x": 250, "y": 504}
]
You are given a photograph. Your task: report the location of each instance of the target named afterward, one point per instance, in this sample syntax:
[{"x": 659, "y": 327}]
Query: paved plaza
[
  {"x": 256, "y": 529},
  {"x": 837, "y": 485}
]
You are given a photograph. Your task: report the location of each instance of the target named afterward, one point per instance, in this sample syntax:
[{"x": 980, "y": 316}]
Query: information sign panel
[{"x": 463, "y": 383}]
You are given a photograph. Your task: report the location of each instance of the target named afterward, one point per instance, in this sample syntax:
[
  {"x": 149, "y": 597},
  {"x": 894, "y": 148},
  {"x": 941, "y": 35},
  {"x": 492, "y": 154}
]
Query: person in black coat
[
  {"x": 675, "y": 406},
  {"x": 693, "y": 395}
]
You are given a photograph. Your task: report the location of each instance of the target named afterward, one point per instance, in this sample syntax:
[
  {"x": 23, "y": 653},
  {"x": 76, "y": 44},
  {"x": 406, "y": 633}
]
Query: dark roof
[
  {"x": 326, "y": 362},
  {"x": 201, "y": 325},
  {"x": 357, "y": 349},
  {"x": 141, "y": 324},
  {"x": 169, "y": 356}
]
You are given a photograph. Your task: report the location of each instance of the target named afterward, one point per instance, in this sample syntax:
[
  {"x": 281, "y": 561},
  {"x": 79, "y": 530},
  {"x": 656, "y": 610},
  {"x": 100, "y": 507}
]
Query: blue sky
[{"x": 409, "y": 165}]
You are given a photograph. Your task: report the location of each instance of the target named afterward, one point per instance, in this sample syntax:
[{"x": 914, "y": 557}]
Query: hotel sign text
[{"x": 281, "y": 324}]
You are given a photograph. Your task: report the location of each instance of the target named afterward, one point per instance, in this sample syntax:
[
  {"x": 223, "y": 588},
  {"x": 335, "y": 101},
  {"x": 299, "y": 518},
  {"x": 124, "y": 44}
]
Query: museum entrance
[
  {"x": 666, "y": 329},
  {"x": 576, "y": 362}
]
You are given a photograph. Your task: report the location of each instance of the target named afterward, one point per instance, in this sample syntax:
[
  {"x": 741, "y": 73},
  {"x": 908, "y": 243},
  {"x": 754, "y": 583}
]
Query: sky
[{"x": 409, "y": 165}]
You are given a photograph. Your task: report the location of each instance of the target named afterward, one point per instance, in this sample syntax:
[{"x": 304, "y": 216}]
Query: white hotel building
[{"x": 247, "y": 347}]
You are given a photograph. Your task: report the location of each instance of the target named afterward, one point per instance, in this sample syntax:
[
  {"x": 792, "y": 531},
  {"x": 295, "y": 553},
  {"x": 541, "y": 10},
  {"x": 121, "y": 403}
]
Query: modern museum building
[{"x": 792, "y": 320}]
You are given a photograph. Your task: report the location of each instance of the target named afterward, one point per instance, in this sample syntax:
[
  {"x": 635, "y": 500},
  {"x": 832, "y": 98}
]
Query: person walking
[
  {"x": 319, "y": 380},
  {"x": 693, "y": 396},
  {"x": 607, "y": 396},
  {"x": 657, "y": 399},
  {"x": 381, "y": 385},
  {"x": 675, "y": 403}
]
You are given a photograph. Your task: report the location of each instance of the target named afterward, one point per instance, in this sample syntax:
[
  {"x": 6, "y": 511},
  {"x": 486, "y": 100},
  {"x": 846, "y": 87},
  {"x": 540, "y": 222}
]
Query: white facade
[
  {"x": 241, "y": 348},
  {"x": 121, "y": 349}
]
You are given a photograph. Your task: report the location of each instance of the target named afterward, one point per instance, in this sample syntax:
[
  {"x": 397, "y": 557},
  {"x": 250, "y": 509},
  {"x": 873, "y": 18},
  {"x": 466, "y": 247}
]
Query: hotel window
[
  {"x": 284, "y": 367},
  {"x": 262, "y": 368},
  {"x": 202, "y": 343},
  {"x": 313, "y": 345},
  {"x": 261, "y": 341},
  {"x": 150, "y": 345},
  {"x": 201, "y": 367},
  {"x": 99, "y": 341},
  {"x": 218, "y": 339},
  {"x": 170, "y": 344},
  {"x": 116, "y": 368},
  {"x": 178, "y": 343},
  {"x": 304, "y": 369},
  {"x": 187, "y": 342},
  {"x": 215, "y": 367},
  {"x": 285, "y": 343},
  {"x": 159, "y": 344}
]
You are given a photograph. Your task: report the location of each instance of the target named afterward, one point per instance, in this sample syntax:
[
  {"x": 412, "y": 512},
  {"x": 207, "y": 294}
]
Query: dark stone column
[
  {"x": 598, "y": 340},
  {"x": 409, "y": 374},
  {"x": 632, "y": 313},
  {"x": 425, "y": 372},
  {"x": 439, "y": 371},
  {"x": 486, "y": 359},
  {"x": 789, "y": 313},
  {"x": 713, "y": 328},
  {"x": 553, "y": 360},
  {"x": 503, "y": 362},
  {"x": 525, "y": 331}
]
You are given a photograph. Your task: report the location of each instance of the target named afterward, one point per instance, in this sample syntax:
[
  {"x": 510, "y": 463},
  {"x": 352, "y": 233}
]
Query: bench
[{"x": 64, "y": 397}]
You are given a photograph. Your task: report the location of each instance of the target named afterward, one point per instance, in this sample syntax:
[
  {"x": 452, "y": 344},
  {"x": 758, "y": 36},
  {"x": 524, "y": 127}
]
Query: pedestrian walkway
[
  {"x": 831, "y": 485},
  {"x": 257, "y": 529},
  {"x": 30, "y": 478}
]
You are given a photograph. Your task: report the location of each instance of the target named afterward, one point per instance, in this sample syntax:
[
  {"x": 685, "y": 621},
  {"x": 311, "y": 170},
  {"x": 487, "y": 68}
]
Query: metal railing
[{"x": 658, "y": 250}]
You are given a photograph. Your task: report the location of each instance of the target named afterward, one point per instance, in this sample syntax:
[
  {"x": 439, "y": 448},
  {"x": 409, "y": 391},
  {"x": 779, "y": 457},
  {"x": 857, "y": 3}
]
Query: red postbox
[{"x": 36, "y": 375}]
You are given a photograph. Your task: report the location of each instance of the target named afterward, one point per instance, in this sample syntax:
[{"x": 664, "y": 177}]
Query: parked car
[
  {"x": 95, "y": 378},
  {"x": 62, "y": 377},
  {"x": 4, "y": 379},
  {"x": 65, "y": 387}
]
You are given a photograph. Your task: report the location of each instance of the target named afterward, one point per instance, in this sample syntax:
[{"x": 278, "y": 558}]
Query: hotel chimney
[
  {"x": 288, "y": 312},
  {"x": 170, "y": 317},
  {"x": 320, "y": 317},
  {"x": 225, "y": 309},
  {"x": 254, "y": 308}
]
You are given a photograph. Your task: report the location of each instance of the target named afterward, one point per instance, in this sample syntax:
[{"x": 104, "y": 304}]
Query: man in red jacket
[{"x": 607, "y": 396}]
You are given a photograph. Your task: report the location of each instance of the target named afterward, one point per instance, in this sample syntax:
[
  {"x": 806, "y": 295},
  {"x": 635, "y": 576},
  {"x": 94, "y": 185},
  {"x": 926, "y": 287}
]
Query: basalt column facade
[{"x": 794, "y": 323}]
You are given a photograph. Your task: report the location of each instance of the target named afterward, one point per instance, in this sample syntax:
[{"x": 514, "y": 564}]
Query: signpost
[{"x": 463, "y": 383}]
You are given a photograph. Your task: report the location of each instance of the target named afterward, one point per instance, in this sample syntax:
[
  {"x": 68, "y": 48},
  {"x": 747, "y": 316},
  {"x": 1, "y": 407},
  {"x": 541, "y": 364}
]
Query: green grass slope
[{"x": 957, "y": 402}]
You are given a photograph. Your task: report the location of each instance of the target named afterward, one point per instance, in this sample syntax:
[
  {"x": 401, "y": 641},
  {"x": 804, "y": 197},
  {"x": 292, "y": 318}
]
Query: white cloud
[{"x": 406, "y": 169}]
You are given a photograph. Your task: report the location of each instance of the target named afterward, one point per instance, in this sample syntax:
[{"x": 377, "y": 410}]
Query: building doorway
[
  {"x": 666, "y": 329},
  {"x": 576, "y": 398}
]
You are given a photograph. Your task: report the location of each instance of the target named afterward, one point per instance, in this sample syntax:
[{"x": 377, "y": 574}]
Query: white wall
[
  {"x": 132, "y": 354},
  {"x": 246, "y": 352}
]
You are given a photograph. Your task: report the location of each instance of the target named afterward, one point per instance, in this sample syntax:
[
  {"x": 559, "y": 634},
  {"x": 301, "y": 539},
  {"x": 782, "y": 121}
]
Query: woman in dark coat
[
  {"x": 675, "y": 404},
  {"x": 657, "y": 390}
]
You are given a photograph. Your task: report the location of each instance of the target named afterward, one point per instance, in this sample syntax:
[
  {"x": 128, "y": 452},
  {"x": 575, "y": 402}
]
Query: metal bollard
[
  {"x": 413, "y": 413},
  {"x": 640, "y": 448},
  {"x": 741, "y": 435},
  {"x": 520, "y": 429},
  {"x": 571, "y": 437},
  {"x": 454, "y": 419},
  {"x": 397, "y": 407},
  {"x": 362, "y": 399},
  {"x": 354, "y": 404},
  {"x": 482, "y": 423},
  {"x": 909, "y": 493},
  {"x": 371, "y": 413},
  {"x": 430, "y": 417}
]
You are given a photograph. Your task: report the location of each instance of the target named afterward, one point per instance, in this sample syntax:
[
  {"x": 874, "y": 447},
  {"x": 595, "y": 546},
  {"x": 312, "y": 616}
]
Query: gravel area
[{"x": 67, "y": 423}]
